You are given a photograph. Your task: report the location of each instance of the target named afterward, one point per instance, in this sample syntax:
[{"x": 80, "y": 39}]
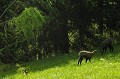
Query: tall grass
[{"x": 105, "y": 66}]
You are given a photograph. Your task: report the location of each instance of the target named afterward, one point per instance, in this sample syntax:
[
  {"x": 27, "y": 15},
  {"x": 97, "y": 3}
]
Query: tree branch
[{"x": 7, "y": 8}]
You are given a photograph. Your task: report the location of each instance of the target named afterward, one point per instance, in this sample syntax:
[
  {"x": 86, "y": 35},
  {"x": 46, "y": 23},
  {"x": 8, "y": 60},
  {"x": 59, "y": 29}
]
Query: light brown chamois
[{"x": 85, "y": 54}]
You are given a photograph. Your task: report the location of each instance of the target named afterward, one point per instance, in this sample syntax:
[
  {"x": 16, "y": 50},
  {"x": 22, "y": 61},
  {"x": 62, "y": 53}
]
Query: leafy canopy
[{"x": 29, "y": 22}]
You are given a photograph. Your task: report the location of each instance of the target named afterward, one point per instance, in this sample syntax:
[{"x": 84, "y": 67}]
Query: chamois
[
  {"x": 85, "y": 54},
  {"x": 107, "y": 43}
]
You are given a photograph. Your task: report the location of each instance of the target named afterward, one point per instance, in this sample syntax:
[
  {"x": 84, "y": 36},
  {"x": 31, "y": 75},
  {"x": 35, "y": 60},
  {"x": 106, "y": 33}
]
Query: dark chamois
[
  {"x": 85, "y": 54},
  {"x": 107, "y": 43}
]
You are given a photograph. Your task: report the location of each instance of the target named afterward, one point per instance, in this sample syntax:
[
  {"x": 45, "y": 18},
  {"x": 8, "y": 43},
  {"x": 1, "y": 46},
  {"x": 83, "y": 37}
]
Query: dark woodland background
[{"x": 31, "y": 29}]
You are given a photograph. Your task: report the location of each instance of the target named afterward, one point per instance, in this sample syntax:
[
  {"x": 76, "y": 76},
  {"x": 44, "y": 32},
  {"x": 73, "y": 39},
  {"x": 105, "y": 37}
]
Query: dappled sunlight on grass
[{"x": 106, "y": 66}]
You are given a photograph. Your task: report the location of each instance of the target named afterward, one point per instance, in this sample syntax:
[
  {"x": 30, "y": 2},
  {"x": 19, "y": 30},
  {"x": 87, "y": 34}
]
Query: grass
[{"x": 66, "y": 67}]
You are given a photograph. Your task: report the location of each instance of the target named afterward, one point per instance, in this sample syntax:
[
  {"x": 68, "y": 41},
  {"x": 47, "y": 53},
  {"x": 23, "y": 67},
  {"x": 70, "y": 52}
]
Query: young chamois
[{"x": 85, "y": 54}]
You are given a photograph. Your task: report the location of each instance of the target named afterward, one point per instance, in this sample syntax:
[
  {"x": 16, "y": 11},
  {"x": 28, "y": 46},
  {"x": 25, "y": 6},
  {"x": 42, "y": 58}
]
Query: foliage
[
  {"x": 54, "y": 26},
  {"x": 26, "y": 26},
  {"x": 29, "y": 21}
]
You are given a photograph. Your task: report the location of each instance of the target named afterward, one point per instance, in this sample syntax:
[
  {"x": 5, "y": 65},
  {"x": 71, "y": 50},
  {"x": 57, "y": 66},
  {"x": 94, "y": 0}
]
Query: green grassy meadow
[{"x": 106, "y": 66}]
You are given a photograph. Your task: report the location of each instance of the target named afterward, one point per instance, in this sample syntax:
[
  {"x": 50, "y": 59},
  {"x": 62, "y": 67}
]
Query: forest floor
[{"x": 105, "y": 66}]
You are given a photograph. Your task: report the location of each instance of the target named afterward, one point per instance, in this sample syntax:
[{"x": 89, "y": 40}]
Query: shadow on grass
[
  {"x": 7, "y": 70},
  {"x": 38, "y": 65},
  {"x": 44, "y": 64}
]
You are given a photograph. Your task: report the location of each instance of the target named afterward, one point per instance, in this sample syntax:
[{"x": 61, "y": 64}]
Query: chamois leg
[
  {"x": 80, "y": 60},
  {"x": 105, "y": 49},
  {"x": 86, "y": 59},
  {"x": 102, "y": 51},
  {"x": 89, "y": 60},
  {"x": 111, "y": 48}
]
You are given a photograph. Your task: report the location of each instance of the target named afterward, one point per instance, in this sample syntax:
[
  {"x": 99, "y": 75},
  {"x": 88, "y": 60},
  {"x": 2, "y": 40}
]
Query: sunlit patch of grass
[{"x": 106, "y": 66}]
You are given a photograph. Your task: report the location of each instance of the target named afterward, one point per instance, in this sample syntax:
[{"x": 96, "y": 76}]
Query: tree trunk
[{"x": 100, "y": 16}]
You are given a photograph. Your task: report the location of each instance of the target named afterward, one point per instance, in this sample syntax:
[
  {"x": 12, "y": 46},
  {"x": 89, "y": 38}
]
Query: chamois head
[{"x": 94, "y": 50}]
